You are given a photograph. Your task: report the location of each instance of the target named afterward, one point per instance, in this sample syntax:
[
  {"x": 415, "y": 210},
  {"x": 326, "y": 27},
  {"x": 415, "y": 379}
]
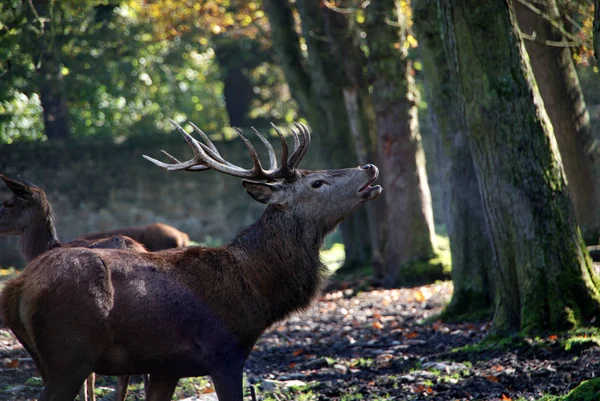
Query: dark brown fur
[
  {"x": 181, "y": 312},
  {"x": 155, "y": 237}
]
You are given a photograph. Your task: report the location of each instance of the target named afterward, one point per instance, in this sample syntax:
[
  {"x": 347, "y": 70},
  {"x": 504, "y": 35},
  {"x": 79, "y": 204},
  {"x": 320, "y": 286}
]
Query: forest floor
[{"x": 374, "y": 344}]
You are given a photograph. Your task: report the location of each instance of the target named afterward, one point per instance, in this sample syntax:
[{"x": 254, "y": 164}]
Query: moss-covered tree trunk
[
  {"x": 545, "y": 279},
  {"x": 559, "y": 86},
  {"x": 317, "y": 86},
  {"x": 408, "y": 200},
  {"x": 472, "y": 257}
]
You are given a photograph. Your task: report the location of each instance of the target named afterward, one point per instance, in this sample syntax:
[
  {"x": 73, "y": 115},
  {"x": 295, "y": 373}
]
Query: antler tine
[
  {"x": 210, "y": 147},
  {"x": 307, "y": 140},
  {"x": 285, "y": 150},
  {"x": 170, "y": 157},
  {"x": 301, "y": 139},
  {"x": 171, "y": 167},
  {"x": 199, "y": 167},
  {"x": 257, "y": 167},
  {"x": 272, "y": 156},
  {"x": 205, "y": 138}
]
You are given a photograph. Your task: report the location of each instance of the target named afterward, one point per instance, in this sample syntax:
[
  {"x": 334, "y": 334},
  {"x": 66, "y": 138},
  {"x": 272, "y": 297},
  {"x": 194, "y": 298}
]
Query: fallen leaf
[
  {"x": 12, "y": 364},
  {"x": 298, "y": 352},
  {"x": 377, "y": 325},
  {"x": 505, "y": 397},
  {"x": 498, "y": 368},
  {"x": 208, "y": 390},
  {"x": 412, "y": 334},
  {"x": 422, "y": 389},
  {"x": 418, "y": 295},
  {"x": 292, "y": 365},
  {"x": 437, "y": 325},
  {"x": 492, "y": 378},
  {"x": 376, "y": 315},
  {"x": 553, "y": 337}
]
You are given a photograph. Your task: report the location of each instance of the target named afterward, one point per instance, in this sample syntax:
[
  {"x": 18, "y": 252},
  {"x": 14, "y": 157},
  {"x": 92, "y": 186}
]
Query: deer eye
[{"x": 317, "y": 184}]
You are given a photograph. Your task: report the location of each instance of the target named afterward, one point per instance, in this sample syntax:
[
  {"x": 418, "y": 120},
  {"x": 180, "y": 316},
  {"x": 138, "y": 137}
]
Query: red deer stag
[
  {"x": 187, "y": 311},
  {"x": 155, "y": 237},
  {"x": 28, "y": 214}
]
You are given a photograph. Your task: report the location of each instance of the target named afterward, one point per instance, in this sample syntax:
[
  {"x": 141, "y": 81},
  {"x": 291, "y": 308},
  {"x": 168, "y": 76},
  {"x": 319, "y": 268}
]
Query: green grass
[{"x": 587, "y": 391}]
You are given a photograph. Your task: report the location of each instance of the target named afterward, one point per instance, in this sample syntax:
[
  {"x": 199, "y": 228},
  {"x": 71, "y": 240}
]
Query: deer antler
[{"x": 206, "y": 155}]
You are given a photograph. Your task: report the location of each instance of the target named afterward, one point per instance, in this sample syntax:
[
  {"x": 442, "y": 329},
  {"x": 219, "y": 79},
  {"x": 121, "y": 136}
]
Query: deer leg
[
  {"x": 62, "y": 386},
  {"x": 161, "y": 388},
  {"x": 229, "y": 384},
  {"x": 122, "y": 383}
]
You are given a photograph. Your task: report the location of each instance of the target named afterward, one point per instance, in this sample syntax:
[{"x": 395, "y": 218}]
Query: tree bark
[
  {"x": 472, "y": 257},
  {"x": 545, "y": 279},
  {"x": 559, "y": 86},
  {"x": 408, "y": 200}
]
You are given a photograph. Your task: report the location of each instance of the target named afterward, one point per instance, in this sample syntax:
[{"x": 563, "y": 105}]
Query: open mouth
[
  {"x": 367, "y": 186},
  {"x": 367, "y": 191}
]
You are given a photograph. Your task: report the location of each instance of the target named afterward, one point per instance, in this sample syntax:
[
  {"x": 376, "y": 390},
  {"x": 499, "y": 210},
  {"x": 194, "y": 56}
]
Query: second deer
[{"x": 155, "y": 237}]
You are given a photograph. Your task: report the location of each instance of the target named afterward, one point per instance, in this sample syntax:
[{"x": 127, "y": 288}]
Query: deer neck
[
  {"x": 39, "y": 237},
  {"x": 279, "y": 255}
]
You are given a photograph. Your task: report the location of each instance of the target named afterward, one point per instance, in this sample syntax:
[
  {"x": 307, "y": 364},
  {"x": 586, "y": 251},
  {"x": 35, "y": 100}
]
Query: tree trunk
[
  {"x": 545, "y": 279},
  {"x": 558, "y": 83},
  {"x": 472, "y": 257},
  {"x": 50, "y": 78},
  {"x": 237, "y": 57},
  {"x": 344, "y": 44},
  {"x": 408, "y": 200},
  {"x": 314, "y": 84}
]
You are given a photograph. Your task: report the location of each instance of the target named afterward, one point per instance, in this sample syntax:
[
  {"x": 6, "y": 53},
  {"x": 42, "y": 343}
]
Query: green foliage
[{"x": 126, "y": 69}]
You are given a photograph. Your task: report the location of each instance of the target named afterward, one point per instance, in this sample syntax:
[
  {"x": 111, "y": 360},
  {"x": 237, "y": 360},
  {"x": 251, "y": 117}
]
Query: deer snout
[{"x": 369, "y": 167}]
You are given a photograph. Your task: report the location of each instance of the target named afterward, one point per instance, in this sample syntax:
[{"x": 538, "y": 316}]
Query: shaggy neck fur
[{"x": 279, "y": 255}]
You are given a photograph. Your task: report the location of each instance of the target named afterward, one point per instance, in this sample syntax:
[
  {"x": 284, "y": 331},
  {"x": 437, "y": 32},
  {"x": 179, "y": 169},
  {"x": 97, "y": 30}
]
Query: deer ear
[
  {"x": 18, "y": 188},
  {"x": 28, "y": 183},
  {"x": 263, "y": 192}
]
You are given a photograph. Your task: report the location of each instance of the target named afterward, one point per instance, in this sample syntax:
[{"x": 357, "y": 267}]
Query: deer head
[
  {"x": 27, "y": 204},
  {"x": 316, "y": 198}
]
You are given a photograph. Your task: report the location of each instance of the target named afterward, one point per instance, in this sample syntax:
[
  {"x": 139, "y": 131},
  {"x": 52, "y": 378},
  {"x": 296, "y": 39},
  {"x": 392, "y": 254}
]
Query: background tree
[
  {"x": 408, "y": 200},
  {"x": 552, "y": 64},
  {"x": 545, "y": 278},
  {"x": 343, "y": 37},
  {"x": 317, "y": 87},
  {"x": 472, "y": 257}
]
